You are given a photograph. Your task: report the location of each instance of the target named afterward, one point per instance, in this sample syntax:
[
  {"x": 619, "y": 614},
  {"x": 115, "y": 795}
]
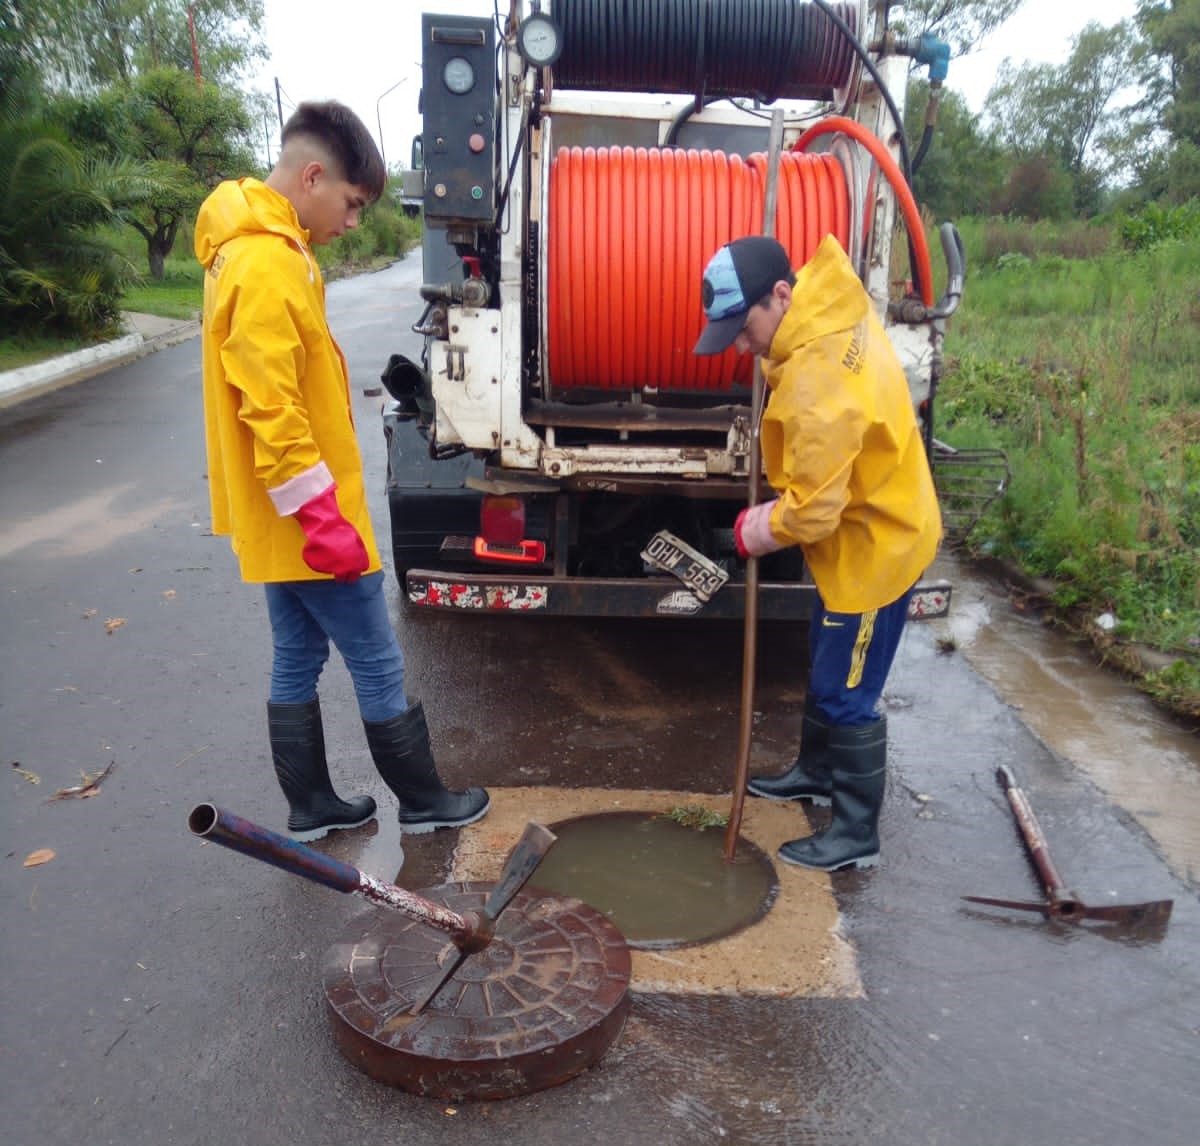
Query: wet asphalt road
[{"x": 162, "y": 992}]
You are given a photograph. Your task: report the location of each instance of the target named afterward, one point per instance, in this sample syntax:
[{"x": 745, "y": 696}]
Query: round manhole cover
[
  {"x": 542, "y": 1002},
  {"x": 662, "y": 883}
]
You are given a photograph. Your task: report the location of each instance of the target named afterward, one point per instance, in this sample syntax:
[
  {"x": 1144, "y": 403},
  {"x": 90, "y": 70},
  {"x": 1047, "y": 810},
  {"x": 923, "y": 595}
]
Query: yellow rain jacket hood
[
  {"x": 841, "y": 444},
  {"x": 276, "y": 388}
]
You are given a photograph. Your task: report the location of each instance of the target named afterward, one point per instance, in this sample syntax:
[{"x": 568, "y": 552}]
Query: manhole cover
[{"x": 542, "y": 1002}]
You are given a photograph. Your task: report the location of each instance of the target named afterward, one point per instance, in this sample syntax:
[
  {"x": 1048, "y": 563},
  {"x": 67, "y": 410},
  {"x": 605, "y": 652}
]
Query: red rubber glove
[
  {"x": 333, "y": 545},
  {"x": 752, "y": 536}
]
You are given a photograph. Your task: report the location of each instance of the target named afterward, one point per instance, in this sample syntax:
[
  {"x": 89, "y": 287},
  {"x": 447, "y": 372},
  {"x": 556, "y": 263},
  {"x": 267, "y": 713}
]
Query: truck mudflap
[{"x": 497, "y": 592}]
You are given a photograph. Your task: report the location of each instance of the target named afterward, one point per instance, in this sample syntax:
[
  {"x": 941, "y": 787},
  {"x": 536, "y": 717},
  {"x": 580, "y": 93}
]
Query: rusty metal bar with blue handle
[{"x": 212, "y": 823}]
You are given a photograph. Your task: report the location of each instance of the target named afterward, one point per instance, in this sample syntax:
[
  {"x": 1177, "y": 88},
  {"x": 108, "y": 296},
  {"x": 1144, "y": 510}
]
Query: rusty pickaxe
[{"x": 1061, "y": 903}]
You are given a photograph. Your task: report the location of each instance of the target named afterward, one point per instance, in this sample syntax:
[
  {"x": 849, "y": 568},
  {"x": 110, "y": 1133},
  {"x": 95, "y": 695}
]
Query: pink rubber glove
[
  {"x": 333, "y": 545},
  {"x": 752, "y": 535}
]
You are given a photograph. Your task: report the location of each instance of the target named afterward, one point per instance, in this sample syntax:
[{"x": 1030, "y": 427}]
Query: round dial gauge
[
  {"x": 458, "y": 75},
  {"x": 539, "y": 40}
]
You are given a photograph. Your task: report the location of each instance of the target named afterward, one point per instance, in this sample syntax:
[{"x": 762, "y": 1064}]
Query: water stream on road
[{"x": 1136, "y": 754}]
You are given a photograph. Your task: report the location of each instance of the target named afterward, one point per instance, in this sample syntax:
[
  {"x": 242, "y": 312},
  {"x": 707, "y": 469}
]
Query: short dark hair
[{"x": 339, "y": 131}]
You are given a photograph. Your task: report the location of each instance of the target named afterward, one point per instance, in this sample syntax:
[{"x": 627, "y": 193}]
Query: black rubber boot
[
  {"x": 858, "y": 756},
  {"x": 401, "y": 751},
  {"x": 808, "y": 778},
  {"x": 298, "y": 750}
]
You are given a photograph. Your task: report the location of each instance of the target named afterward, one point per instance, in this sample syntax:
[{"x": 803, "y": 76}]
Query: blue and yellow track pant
[{"x": 851, "y": 655}]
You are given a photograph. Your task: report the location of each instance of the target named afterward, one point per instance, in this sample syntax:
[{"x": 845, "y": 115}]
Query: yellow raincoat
[
  {"x": 841, "y": 444},
  {"x": 276, "y": 388}
]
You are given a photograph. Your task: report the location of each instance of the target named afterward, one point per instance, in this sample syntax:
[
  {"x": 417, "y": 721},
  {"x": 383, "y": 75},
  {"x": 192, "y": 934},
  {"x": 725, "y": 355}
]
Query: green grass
[
  {"x": 1084, "y": 370},
  {"x": 179, "y": 294},
  {"x": 27, "y": 350}
]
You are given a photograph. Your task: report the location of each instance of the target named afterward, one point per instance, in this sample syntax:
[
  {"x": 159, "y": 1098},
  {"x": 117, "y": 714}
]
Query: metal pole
[
  {"x": 750, "y": 633},
  {"x": 279, "y": 103},
  {"x": 379, "y": 119}
]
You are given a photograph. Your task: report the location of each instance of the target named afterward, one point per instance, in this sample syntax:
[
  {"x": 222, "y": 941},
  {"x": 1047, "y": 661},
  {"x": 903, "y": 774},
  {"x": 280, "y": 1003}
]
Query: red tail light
[
  {"x": 502, "y": 533},
  {"x": 502, "y": 521}
]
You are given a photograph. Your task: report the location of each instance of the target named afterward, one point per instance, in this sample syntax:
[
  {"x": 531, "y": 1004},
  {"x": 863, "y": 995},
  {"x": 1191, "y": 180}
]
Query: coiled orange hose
[
  {"x": 630, "y": 232},
  {"x": 891, "y": 169}
]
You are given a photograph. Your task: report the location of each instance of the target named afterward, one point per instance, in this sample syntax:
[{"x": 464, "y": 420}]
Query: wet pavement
[{"x": 162, "y": 991}]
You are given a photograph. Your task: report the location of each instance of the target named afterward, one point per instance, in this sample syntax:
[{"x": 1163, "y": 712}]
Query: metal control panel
[{"x": 459, "y": 104}]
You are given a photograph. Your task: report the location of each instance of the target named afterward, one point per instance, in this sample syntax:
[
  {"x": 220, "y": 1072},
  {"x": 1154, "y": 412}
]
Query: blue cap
[{"x": 738, "y": 276}]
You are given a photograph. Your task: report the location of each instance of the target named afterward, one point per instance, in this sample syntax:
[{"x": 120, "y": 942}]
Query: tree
[
  {"x": 1064, "y": 116},
  {"x": 961, "y": 23},
  {"x": 191, "y": 137},
  {"x": 1095, "y": 73},
  {"x": 85, "y": 45},
  {"x": 55, "y": 273},
  {"x": 1169, "y": 63},
  {"x": 19, "y": 84}
]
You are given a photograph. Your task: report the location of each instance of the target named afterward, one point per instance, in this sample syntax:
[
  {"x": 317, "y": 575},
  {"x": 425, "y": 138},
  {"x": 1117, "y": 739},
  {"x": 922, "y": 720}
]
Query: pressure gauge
[
  {"x": 539, "y": 40},
  {"x": 458, "y": 75}
]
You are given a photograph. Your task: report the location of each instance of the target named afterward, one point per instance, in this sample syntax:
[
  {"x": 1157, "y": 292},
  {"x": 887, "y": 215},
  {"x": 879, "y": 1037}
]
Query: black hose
[
  {"x": 848, "y": 32},
  {"x": 760, "y": 49},
  {"x": 926, "y": 140}
]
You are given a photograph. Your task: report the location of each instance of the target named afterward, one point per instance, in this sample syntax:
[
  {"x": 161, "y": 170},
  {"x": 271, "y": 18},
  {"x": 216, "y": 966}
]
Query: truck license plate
[{"x": 667, "y": 552}]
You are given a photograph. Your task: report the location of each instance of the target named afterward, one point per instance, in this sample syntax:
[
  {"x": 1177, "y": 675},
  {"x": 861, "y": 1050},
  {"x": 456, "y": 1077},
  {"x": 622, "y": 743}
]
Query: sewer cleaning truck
[{"x": 557, "y": 448}]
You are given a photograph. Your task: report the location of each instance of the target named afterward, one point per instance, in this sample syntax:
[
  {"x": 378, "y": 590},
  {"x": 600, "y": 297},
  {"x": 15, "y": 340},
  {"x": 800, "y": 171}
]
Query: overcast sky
[{"x": 356, "y": 50}]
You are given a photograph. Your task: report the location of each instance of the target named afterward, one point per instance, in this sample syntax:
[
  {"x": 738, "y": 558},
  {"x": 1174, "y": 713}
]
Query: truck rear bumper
[{"x": 498, "y": 592}]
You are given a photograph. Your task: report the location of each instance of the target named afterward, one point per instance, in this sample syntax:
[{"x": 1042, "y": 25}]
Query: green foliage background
[{"x": 1082, "y": 367}]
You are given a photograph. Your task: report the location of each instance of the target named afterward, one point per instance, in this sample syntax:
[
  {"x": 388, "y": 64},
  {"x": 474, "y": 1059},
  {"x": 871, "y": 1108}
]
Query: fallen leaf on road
[
  {"x": 168, "y": 592},
  {"x": 90, "y": 786},
  {"x": 41, "y": 856},
  {"x": 113, "y": 624},
  {"x": 30, "y": 777}
]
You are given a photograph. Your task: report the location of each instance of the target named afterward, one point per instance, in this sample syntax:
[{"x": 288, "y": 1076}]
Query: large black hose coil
[{"x": 760, "y": 49}]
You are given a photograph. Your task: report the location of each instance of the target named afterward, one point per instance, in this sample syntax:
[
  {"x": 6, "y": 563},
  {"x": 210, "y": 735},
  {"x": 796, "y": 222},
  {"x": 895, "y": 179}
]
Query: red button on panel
[{"x": 476, "y": 143}]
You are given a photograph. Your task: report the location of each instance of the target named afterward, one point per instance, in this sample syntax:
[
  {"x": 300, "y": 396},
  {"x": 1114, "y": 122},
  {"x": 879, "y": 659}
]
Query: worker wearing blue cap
[{"x": 843, "y": 451}]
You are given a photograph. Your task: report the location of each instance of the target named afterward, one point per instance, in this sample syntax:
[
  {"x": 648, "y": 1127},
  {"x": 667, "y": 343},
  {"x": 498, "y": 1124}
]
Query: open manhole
[{"x": 663, "y": 883}]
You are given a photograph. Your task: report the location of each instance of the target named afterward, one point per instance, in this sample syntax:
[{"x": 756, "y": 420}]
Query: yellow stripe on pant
[{"x": 858, "y": 657}]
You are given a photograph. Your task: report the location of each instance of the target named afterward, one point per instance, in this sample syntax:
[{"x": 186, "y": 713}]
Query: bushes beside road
[{"x": 1075, "y": 350}]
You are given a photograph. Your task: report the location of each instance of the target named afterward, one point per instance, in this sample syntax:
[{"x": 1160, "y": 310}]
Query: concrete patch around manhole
[{"x": 796, "y": 950}]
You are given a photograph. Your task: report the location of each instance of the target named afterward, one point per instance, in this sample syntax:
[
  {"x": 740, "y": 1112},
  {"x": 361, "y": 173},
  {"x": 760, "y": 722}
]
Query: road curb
[{"x": 41, "y": 377}]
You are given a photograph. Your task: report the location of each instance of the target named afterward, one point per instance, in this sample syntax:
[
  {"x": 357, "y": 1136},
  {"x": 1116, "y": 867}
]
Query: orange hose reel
[
  {"x": 891, "y": 169},
  {"x": 630, "y": 232}
]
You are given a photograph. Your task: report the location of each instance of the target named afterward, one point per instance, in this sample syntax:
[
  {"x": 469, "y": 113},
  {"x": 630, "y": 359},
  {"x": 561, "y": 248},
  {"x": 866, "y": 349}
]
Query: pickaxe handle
[
  {"x": 1035, "y": 838},
  {"x": 1061, "y": 903}
]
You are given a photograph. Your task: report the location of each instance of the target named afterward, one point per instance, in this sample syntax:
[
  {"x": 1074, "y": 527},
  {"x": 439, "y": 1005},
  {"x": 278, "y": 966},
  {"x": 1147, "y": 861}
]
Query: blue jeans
[
  {"x": 851, "y": 655},
  {"x": 307, "y": 615}
]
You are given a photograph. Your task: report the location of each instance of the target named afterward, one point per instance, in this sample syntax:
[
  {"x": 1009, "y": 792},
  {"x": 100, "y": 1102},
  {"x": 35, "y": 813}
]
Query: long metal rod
[
  {"x": 212, "y": 823},
  {"x": 750, "y": 630}
]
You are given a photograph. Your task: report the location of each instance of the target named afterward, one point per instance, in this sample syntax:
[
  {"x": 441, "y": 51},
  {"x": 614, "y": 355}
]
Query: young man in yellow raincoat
[
  {"x": 285, "y": 474},
  {"x": 842, "y": 449}
]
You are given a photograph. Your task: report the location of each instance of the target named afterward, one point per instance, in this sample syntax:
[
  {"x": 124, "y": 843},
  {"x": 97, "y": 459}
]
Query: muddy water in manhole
[{"x": 662, "y": 883}]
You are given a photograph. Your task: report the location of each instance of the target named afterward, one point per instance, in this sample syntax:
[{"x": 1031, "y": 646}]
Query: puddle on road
[
  {"x": 663, "y": 884},
  {"x": 1086, "y": 714}
]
